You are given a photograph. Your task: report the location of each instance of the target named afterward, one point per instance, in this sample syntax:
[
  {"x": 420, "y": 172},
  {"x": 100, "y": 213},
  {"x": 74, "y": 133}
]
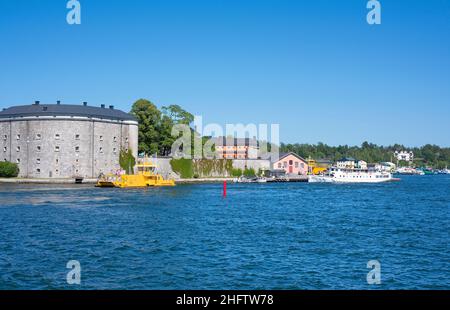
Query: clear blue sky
[{"x": 315, "y": 67}]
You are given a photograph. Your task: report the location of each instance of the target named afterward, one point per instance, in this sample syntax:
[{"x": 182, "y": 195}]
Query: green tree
[
  {"x": 149, "y": 118},
  {"x": 178, "y": 115},
  {"x": 165, "y": 136},
  {"x": 8, "y": 170}
]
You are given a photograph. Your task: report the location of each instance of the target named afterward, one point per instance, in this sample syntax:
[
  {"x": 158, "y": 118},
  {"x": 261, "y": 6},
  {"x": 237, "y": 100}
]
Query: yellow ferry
[{"x": 146, "y": 176}]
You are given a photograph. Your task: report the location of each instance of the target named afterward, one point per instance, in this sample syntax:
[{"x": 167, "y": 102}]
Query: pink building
[
  {"x": 236, "y": 148},
  {"x": 291, "y": 163}
]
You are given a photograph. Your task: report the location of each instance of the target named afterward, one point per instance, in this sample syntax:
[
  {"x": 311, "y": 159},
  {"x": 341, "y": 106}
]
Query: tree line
[
  {"x": 155, "y": 137},
  {"x": 427, "y": 155}
]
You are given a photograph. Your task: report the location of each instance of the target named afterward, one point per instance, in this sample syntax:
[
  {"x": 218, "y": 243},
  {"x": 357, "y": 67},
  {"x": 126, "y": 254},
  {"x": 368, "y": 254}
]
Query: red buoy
[{"x": 224, "y": 188}]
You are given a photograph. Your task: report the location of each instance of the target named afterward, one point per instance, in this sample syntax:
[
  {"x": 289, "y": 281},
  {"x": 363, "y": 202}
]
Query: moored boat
[
  {"x": 146, "y": 176},
  {"x": 409, "y": 171},
  {"x": 342, "y": 175},
  {"x": 244, "y": 179}
]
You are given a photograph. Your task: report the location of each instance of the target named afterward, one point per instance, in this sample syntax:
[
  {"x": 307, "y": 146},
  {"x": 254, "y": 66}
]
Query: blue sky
[{"x": 315, "y": 67}]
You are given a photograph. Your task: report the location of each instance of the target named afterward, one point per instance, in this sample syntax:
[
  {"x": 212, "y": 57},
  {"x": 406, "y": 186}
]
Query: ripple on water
[{"x": 264, "y": 236}]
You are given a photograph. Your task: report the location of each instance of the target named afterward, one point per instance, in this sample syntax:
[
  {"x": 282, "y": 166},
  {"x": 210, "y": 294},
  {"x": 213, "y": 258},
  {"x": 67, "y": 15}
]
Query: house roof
[
  {"x": 348, "y": 159},
  {"x": 283, "y": 155},
  {"x": 83, "y": 110},
  {"x": 324, "y": 161}
]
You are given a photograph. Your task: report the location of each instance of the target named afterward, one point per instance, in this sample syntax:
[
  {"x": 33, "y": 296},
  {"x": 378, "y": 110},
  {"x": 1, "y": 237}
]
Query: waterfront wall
[
  {"x": 165, "y": 168},
  {"x": 212, "y": 168},
  {"x": 255, "y": 164}
]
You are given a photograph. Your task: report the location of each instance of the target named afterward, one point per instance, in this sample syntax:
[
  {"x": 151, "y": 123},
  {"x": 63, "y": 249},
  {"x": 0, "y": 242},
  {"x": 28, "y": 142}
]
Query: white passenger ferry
[{"x": 343, "y": 175}]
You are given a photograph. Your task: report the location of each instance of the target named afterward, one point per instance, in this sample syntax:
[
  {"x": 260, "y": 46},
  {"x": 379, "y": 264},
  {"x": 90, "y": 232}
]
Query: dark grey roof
[
  {"x": 66, "y": 110},
  {"x": 348, "y": 159},
  {"x": 324, "y": 161}
]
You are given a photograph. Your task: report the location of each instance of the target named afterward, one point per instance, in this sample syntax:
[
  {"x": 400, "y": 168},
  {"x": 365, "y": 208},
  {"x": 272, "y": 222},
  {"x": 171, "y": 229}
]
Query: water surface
[{"x": 262, "y": 236}]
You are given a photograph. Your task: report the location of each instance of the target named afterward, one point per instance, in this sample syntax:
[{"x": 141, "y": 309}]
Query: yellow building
[{"x": 318, "y": 166}]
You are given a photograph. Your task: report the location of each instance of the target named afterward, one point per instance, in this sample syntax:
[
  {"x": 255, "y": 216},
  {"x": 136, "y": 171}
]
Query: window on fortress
[
  {"x": 38, "y": 170},
  {"x": 77, "y": 149},
  {"x": 57, "y": 136},
  {"x": 38, "y": 136},
  {"x": 38, "y": 161},
  {"x": 18, "y": 149},
  {"x": 56, "y": 148},
  {"x": 101, "y": 138},
  {"x": 5, "y": 149},
  {"x": 18, "y": 137},
  {"x": 38, "y": 148},
  {"x": 5, "y": 137},
  {"x": 18, "y": 160},
  {"x": 114, "y": 150},
  {"x": 101, "y": 150},
  {"x": 115, "y": 139},
  {"x": 77, "y": 137}
]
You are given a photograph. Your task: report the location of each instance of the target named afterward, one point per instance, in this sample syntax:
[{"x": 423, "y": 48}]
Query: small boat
[
  {"x": 146, "y": 177},
  {"x": 443, "y": 171},
  {"x": 409, "y": 171},
  {"x": 344, "y": 175},
  {"x": 244, "y": 179},
  {"x": 427, "y": 171}
]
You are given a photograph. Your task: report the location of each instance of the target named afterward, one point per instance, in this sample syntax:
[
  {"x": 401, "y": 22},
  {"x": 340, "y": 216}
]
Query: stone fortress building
[{"x": 66, "y": 141}]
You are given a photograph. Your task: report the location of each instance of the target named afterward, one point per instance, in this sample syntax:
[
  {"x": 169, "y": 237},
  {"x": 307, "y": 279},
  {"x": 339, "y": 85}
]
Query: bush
[
  {"x": 249, "y": 172},
  {"x": 183, "y": 167},
  {"x": 8, "y": 170},
  {"x": 236, "y": 172}
]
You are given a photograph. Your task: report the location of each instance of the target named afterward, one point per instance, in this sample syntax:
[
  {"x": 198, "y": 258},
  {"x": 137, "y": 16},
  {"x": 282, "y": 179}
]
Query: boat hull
[
  {"x": 365, "y": 179},
  {"x": 135, "y": 181}
]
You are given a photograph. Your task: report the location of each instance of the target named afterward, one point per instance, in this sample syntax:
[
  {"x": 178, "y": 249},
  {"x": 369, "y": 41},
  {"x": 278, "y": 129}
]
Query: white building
[
  {"x": 404, "y": 155},
  {"x": 386, "y": 167},
  {"x": 351, "y": 163}
]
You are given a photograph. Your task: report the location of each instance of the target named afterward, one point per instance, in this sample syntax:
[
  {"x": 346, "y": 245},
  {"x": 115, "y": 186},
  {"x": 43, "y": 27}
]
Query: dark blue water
[{"x": 262, "y": 236}]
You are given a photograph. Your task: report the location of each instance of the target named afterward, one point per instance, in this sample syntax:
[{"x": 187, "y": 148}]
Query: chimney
[
  {"x": 85, "y": 103},
  {"x": 111, "y": 107},
  {"x": 102, "y": 106},
  {"x": 58, "y": 102},
  {"x": 36, "y": 102}
]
